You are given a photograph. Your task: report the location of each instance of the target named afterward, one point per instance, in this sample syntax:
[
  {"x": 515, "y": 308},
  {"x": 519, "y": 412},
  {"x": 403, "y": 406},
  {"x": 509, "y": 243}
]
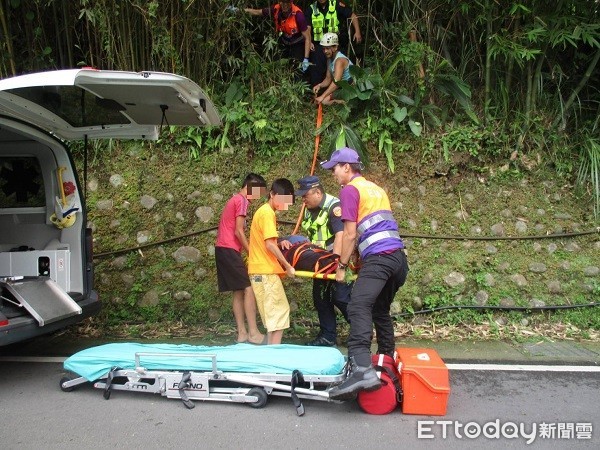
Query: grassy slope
[{"x": 457, "y": 203}]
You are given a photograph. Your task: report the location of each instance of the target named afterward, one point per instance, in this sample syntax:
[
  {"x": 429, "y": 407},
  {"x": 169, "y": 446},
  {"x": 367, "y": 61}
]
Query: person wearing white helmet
[
  {"x": 329, "y": 16},
  {"x": 338, "y": 66}
]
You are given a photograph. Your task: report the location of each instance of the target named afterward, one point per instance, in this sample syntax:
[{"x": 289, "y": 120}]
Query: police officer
[
  {"x": 323, "y": 225},
  {"x": 328, "y": 16},
  {"x": 370, "y": 225}
]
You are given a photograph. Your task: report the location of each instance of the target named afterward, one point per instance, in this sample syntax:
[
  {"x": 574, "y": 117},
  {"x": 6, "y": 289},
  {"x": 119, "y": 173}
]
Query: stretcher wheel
[
  {"x": 261, "y": 395},
  {"x": 64, "y": 380}
]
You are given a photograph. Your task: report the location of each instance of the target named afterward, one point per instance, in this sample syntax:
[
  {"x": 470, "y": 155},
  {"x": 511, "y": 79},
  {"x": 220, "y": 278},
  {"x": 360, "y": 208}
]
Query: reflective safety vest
[
  {"x": 376, "y": 226},
  {"x": 286, "y": 26},
  {"x": 320, "y": 21},
  {"x": 318, "y": 229}
]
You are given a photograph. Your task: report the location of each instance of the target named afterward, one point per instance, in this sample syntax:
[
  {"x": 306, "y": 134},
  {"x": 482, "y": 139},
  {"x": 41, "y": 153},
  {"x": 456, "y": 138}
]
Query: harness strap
[
  {"x": 394, "y": 378},
  {"x": 185, "y": 383},
  {"x": 377, "y": 237},
  {"x": 297, "y": 378},
  {"x": 108, "y": 385}
]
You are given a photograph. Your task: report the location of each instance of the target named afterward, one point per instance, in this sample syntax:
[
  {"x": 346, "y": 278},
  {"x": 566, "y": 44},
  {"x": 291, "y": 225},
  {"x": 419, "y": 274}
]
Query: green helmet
[{"x": 329, "y": 40}]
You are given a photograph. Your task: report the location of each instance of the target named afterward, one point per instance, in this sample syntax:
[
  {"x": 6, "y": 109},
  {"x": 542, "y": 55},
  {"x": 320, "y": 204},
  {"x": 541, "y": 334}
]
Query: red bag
[{"x": 389, "y": 396}]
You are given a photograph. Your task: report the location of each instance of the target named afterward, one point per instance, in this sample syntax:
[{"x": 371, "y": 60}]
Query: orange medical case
[{"x": 424, "y": 381}]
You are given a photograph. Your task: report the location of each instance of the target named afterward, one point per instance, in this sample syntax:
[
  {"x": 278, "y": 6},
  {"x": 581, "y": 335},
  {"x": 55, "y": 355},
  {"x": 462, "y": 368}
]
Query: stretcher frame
[{"x": 214, "y": 385}]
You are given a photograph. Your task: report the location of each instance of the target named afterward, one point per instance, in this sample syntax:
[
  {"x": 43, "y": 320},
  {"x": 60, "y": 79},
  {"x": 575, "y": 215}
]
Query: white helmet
[{"x": 329, "y": 40}]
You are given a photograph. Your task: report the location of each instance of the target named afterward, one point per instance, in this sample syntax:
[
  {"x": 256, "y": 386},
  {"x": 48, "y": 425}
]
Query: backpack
[{"x": 389, "y": 396}]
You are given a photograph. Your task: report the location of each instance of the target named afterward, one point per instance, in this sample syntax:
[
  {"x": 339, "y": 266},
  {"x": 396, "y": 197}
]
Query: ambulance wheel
[
  {"x": 261, "y": 395},
  {"x": 64, "y": 380}
]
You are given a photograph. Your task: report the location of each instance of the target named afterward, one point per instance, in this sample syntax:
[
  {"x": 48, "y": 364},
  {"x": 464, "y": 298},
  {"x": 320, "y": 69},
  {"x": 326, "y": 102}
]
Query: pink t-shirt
[{"x": 235, "y": 207}]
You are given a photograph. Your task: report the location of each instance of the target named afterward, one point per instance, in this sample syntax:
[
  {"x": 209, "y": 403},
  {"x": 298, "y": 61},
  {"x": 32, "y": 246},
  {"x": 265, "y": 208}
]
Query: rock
[
  {"x": 524, "y": 322},
  {"x": 554, "y": 287},
  {"x": 434, "y": 225},
  {"x": 166, "y": 275},
  {"x": 421, "y": 190},
  {"x": 92, "y": 185},
  {"x": 119, "y": 262},
  {"x": 537, "y": 247},
  {"x": 150, "y": 298},
  {"x": 537, "y": 303},
  {"x": 501, "y": 321},
  {"x": 148, "y": 201},
  {"x": 294, "y": 306},
  {"x": 572, "y": 247},
  {"x": 490, "y": 249},
  {"x": 507, "y": 302},
  {"x": 125, "y": 205},
  {"x": 404, "y": 190},
  {"x": 454, "y": 279},
  {"x": 427, "y": 278},
  {"x": 417, "y": 303},
  {"x": 476, "y": 230},
  {"x": 170, "y": 197},
  {"x": 504, "y": 267},
  {"x": 204, "y": 213},
  {"x": 552, "y": 247},
  {"x": 488, "y": 280},
  {"x": 200, "y": 272},
  {"x": 540, "y": 228},
  {"x": 116, "y": 180},
  {"x": 115, "y": 223},
  {"x": 498, "y": 230},
  {"x": 179, "y": 216},
  {"x": 591, "y": 271},
  {"x": 521, "y": 227},
  {"x": 210, "y": 248},
  {"x": 469, "y": 197},
  {"x": 540, "y": 212},
  {"x": 481, "y": 298},
  {"x": 182, "y": 295},
  {"x": 537, "y": 267},
  {"x": 565, "y": 265},
  {"x": 519, "y": 280},
  {"x": 217, "y": 197},
  {"x": 562, "y": 216},
  {"x": 143, "y": 237},
  {"x": 187, "y": 254},
  {"x": 211, "y": 179},
  {"x": 104, "y": 205},
  {"x": 127, "y": 279},
  {"x": 395, "y": 308},
  {"x": 411, "y": 224},
  {"x": 194, "y": 195},
  {"x": 506, "y": 213}
]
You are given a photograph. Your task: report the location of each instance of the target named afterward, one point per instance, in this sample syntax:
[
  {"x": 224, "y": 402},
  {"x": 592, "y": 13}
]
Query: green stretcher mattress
[{"x": 95, "y": 362}]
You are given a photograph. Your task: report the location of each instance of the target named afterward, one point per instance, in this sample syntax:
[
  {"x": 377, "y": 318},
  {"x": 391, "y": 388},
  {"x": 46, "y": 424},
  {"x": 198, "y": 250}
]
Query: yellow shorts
[{"x": 271, "y": 301}]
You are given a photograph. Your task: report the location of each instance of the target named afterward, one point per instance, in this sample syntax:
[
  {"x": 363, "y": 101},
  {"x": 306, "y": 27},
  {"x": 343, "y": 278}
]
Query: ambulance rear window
[{"x": 21, "y": 182}]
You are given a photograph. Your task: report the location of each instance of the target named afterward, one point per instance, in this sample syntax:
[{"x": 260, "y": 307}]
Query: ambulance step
[{"x": 44, "y": 299}]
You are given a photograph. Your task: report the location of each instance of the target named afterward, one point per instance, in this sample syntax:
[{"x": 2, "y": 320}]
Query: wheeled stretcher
[{"x": 242, "y": 373}]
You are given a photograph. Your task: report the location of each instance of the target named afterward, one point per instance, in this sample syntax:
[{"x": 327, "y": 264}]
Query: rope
[{"x": 314, "y": 161}]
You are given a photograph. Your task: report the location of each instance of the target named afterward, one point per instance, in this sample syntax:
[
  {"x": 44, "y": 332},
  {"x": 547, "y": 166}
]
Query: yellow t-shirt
[{"x": 263, "y": 227}]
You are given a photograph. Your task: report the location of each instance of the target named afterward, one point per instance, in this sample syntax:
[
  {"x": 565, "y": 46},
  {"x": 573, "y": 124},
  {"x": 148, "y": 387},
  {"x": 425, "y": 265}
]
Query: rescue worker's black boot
[{"x": 359, "y": 378}]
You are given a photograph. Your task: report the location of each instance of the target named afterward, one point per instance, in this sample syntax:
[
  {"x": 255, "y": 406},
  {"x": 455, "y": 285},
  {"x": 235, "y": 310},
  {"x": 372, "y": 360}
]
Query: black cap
[{"x": 306, "y": 184}]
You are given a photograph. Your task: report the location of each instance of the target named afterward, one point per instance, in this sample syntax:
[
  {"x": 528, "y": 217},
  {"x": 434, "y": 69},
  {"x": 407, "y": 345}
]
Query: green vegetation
[{"x": 464, "y": 110}]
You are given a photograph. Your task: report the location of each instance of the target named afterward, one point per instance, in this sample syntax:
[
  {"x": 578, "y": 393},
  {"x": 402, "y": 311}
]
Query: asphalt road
[{"x": 37, "y": 414}]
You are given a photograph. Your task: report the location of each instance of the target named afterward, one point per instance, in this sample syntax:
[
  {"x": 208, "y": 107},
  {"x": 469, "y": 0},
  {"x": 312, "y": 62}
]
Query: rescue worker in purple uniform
[{"x": 370, "y": 225}]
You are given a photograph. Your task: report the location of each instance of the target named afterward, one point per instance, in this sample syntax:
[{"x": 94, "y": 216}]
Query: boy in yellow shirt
[{"x": 266, "y": 262}]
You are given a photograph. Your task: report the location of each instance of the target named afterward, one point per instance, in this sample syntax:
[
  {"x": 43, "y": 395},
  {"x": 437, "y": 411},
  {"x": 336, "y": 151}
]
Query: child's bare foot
[{"x": 257, "y": 339}]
